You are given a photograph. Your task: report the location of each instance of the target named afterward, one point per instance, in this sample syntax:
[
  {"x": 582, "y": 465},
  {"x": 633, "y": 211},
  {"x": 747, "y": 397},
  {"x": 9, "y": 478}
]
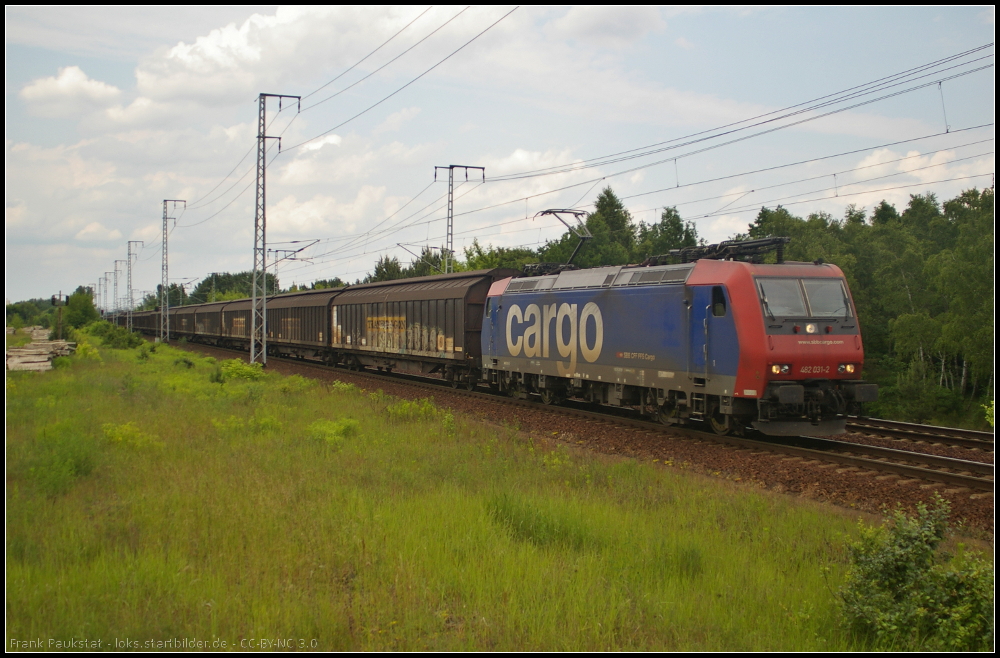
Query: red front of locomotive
[{"x": 801, "y": 355}]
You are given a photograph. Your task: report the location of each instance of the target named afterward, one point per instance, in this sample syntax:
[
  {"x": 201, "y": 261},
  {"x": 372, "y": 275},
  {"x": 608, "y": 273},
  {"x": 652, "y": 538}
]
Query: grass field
[
  {"x": 147, "y": 500},
  {"x": 18, "y": 338}
]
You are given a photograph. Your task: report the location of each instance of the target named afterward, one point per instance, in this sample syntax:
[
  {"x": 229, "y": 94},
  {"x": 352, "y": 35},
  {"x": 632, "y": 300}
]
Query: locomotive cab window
[
  {"x": 782, "y": 298},
  {"x": 827, "y": 298},
  {"x": 718, "y": 302},
  {"x": 804, "y": 298}
]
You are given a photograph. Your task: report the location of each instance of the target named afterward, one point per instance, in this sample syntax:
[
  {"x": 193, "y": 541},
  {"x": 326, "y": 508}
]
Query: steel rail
[{"x": 928, "y": 433}]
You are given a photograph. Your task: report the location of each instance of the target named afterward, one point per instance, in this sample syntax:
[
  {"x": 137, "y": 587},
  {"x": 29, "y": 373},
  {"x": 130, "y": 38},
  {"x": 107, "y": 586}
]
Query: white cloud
[
  {"x": 15, "y": 213},
  {"x": 113, "y": 31},
  {"x": 681, "y": 42},
  {"x": 232, "y": 64},
  {"x": 147, "y": 233},
  {"x": 140, "y": 112},
  {"x": 57, "y": 168},
  {"x": 396, "y": 120},
  {"x": 322, "y": 215},
  {"x": 95, "y": 231},
  {"x": 721, "y": 228},
  {"x": 320, "y": 143},
  {"x": 355, "y": 159},
  {"x": 67, "y": 94},
  {"x": 608, "y": 27}
]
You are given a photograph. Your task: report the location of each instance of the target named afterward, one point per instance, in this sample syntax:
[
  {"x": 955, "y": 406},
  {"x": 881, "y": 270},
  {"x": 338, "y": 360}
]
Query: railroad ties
[{"x": 38, "y": 354}]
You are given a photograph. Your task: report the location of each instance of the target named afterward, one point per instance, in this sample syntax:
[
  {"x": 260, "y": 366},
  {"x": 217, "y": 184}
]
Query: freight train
[{"x": 718, "y": 339}]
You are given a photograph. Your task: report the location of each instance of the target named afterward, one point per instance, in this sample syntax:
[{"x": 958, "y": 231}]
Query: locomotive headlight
[
  {"x": 811, "y": 328},
  {"x": 845, "y": 367},
  {"x": 780, "y": 369}
]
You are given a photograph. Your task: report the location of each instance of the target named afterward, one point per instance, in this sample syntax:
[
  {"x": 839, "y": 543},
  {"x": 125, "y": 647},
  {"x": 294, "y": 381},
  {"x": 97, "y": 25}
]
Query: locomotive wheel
[
  {"x": 549, "y": 396},
  {"x": 516, "y": 389},
  {"x": 665, "y": 415},
  {"x": 721, "y": 423},
  {"x": 649, "y": 406}
]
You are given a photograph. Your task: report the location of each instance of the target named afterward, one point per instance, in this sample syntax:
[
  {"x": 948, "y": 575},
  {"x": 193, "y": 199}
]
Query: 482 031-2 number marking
[{"x": 814, "y": 370}]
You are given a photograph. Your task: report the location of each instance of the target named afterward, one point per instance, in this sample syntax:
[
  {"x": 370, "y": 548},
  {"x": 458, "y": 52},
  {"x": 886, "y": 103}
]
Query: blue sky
[{"x": 110, "y": 111}]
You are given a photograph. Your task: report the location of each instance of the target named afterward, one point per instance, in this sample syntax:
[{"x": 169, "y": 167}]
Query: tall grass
[{"x": 151, "y": 498}]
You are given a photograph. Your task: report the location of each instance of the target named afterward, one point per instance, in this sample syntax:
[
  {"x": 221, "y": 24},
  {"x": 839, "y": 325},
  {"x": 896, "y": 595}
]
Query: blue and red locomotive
[{"x": 728, "y": 342}]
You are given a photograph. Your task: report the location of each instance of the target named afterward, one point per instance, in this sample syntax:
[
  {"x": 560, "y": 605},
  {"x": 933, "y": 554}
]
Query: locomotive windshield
[{"x": 804, "y": 298}]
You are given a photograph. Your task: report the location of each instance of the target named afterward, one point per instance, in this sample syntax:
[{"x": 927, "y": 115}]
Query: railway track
[
  {"x": 958, "y": 473},
  {"x": 923, "y": 433}
]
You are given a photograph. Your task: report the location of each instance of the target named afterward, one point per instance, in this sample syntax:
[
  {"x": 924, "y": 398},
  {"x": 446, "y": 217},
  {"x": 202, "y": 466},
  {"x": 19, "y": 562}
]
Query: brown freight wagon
[
  {"x": 297, "y": 323},
  {"x": 425, "y": 325}
]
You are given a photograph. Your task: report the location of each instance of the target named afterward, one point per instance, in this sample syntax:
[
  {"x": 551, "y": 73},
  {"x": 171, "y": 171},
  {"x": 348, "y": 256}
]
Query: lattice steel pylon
[
  {"x": 117, "y": 304},
  {"x": 258, "y": 314},
  {"x": 107, "y": 283},
  {"x": 131, "y": 299},
  {"x": 164, "y": 336},
  {"x": 449, "y": 250}
]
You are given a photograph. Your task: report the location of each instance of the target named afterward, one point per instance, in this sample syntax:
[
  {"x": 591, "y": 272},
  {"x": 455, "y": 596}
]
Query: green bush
[
  {"x": 343, "y": 387},
  {"x": 236, "y": 369},
  {"x": 902, "y": 593},
  {"x": 118, "y": 338},
  {"x": 409, "y": 410},
  {"x": 333, "y": 432}
]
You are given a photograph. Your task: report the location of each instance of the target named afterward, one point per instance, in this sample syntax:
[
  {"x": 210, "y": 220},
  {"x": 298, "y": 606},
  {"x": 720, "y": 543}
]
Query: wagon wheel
[
  {"x": 721, "y": 423},
  {"x": 470, "y": 385}
]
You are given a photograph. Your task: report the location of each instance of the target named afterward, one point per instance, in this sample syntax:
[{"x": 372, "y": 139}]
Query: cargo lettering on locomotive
[{"x": 537, "y": 334}]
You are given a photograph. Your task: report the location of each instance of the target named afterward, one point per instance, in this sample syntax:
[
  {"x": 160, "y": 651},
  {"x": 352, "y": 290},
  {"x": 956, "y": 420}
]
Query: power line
[
  {"x": 353, "y": 84},
  {"x": 653, "y": 164},
  {"x": 694, "y": 184},
  {"x": 766, "y": 131},
  {"x": 348, "y": 120},
  {"x": 792, "y": 203},
  {"x": 825, "y": 157},
  {"x": 358, "y": 63},
  {"x": 397, "y": 226},
  {"x": 845, "y": 171},
  {"x": 373, "y": 106},
  {"x": 512, "y": 177},
  {"x": 846, "y": 94},
  {"x": 706, "y": 215},
  {"x": 195, "y": 205},
  {"x": 855, "y": 92},
  {"x": 234, "y": 199}
]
